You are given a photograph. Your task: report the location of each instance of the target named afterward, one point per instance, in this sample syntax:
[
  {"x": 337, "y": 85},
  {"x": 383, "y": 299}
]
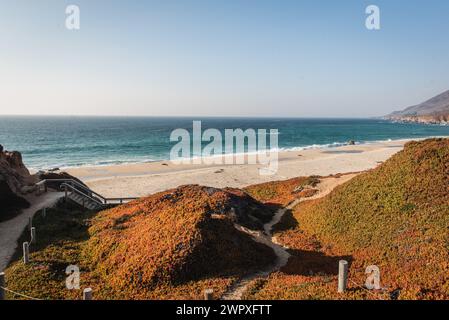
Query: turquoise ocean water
[{"x": 48, "y": 142}]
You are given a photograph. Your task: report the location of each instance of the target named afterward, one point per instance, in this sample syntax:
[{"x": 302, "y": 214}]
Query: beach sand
[{"x": 136, "y": 180}]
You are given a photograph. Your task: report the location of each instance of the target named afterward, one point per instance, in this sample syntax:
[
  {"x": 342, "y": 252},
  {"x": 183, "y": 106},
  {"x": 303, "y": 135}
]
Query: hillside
[
  {"x": 434, "y": 110},
  {"x": 395, "y": 216},
  {"x": 170, "y": 245}
]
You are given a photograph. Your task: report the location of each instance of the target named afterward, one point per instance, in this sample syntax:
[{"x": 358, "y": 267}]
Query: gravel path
[{"x": 11, "y": 230}]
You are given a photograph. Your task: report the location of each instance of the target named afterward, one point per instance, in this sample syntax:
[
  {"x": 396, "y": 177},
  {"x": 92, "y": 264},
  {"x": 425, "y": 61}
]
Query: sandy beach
[{"x": 146, "y": 178}]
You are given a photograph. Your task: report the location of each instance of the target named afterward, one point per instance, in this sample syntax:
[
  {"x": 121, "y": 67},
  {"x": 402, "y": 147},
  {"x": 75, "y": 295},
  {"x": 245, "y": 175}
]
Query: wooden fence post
[
  {"x": 2, "y": 285},
  {"x": 26, "y": 253},
  {"x": 208, "y": 294},
  {"x": 87, "y": 294},
  {"x": 33, "y": 235},
  {"x": 342, "y": 275}
]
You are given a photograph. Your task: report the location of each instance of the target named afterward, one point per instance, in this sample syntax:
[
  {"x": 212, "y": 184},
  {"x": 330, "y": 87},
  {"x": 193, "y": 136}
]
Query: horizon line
[{"x": 187, "y": 116}]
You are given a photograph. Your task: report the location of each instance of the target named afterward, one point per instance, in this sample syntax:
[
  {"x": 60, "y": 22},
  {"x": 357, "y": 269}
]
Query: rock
[
  {"x": 1, "y": 148},
  {"x": 28, "y": 189},
  {"x": 14, "y": 161},
  {"x": 14, "y": 177},
  {"x": 14, "y": 172},
  {"x": 351, "y": 142},
  {"x": 394, "y": 295},
  {"x": 11, "y": 203}
]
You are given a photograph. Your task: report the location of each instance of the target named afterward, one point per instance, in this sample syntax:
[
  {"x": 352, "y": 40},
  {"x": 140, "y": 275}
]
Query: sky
[{"x": 256, "y": 58}]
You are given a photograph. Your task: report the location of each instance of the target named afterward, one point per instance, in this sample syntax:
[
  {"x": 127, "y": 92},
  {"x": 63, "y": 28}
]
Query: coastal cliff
[{"x": 432, "y": 111}]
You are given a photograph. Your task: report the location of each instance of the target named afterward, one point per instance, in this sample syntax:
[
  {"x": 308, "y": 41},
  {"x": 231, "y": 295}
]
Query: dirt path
[
  {"x": 237, "y": 290},
  {"x": 11, "y": 230}
]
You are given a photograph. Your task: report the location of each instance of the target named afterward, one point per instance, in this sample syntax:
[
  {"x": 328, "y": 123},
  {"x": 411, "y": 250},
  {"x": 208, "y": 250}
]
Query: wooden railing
[{"x": 82, "y": 190}]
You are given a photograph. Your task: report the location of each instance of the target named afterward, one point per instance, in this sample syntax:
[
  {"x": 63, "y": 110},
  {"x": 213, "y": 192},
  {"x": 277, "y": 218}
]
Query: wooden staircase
[
  {"x": 84, "y": 201},
  {"x": 82, "y": 195}
]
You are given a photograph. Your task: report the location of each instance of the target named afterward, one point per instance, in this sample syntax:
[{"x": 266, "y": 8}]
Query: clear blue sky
[{"x": 221, "y": 57}]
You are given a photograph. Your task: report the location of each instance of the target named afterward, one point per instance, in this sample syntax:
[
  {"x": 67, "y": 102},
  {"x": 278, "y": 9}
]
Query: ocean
[{"x": 62, "y": 141}]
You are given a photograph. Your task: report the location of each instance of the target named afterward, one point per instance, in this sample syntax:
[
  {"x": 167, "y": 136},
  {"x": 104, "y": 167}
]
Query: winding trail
[
  {"x": 11, "y": 230},
  {"x": 236, "y": 291}
]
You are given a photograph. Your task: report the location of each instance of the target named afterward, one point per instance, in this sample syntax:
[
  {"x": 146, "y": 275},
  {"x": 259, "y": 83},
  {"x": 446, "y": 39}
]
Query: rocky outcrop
[
  {"x": 14, "y": 172},
  {"x": 15, "y": 182},
  {"x": 10, "y": 203},
  {"x": 429, "y": 119}
]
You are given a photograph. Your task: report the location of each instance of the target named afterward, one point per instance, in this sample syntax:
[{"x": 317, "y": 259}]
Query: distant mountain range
[{"x": 435, "y": 110}]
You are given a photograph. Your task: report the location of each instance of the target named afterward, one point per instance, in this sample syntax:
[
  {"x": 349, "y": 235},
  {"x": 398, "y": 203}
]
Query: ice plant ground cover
[
  {"x": 171, "y": 245},
  {"x": 394, "y": 216}
]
